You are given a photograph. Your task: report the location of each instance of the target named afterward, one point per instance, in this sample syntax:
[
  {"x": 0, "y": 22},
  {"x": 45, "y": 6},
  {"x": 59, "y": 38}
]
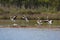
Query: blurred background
[{"x": 32, "y": 9}]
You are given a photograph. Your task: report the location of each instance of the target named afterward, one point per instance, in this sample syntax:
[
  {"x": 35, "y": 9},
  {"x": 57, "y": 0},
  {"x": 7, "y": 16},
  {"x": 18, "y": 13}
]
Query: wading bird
[
  {"x": 50, "y": 21},
  {"x": 39, "y": 22},
  {"x": 13, "y": 18},
  {"x": 25, "y": 18}
]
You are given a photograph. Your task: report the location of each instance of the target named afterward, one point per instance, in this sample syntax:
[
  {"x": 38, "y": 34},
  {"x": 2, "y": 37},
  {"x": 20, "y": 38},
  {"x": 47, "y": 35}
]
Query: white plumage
[
  {"x": 15, "y": 24},
  {"x": 50, "y": 22},
  {"x": 39, "y": 22},
  {"x": 13, "y": 18},
  {"x": 26, "y": 19}
]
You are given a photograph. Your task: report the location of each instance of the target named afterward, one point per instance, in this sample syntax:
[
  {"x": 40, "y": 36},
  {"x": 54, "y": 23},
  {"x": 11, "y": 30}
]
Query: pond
[{"x": 29, "y": 34}]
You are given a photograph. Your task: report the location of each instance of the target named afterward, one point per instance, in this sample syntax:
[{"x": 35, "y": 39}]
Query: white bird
[
  {"x": 13, "y": 18},
  {"x": 26, "y": 19},
  {"x": 50, "y": 22},
  {"x": 15, "y": 24},
  {"x": 39, "y": 22}
]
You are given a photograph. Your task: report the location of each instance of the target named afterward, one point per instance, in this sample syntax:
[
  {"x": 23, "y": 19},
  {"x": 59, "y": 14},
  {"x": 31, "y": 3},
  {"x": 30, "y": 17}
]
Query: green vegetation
[
  {"x": 30, "y": 13},
  {"x": 50, "y": 5},
  {"x": 32, "y": 23},
  {"x": 32, "y": 9},
  {"x": 38, "y": 8}
]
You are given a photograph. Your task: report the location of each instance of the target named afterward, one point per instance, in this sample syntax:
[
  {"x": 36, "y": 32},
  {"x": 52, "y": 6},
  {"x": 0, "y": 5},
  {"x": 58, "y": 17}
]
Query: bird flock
[{"x": 39, "y": 22}]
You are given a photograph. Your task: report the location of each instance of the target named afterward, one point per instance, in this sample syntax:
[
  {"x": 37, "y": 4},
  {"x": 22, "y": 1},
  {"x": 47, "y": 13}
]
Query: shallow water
[{"x": 28, "y": 34}]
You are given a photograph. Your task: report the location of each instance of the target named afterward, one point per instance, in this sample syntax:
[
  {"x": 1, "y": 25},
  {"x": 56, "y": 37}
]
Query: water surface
[{"x": 28, "y": 34}]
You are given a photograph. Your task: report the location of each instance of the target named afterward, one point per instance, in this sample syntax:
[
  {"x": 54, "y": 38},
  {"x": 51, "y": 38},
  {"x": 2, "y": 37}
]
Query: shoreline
[{"x": 30, "y": 27}]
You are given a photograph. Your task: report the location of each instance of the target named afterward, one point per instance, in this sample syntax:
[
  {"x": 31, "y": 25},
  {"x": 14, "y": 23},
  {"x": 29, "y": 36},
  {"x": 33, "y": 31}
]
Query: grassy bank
[
  {"x": 32, "y": 14},
  {"x": 30, "y": 23}
]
